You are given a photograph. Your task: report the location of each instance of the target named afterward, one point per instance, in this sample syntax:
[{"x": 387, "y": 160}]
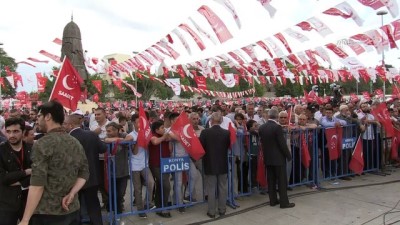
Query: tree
[{"x": 7, "y": 61}]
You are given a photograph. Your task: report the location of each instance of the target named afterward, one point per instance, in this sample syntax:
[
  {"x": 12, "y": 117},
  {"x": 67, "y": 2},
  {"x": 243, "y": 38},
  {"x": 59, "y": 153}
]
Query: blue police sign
[
  {"x": 348, "y": 143},
  {"x": 175, "y": 164}
]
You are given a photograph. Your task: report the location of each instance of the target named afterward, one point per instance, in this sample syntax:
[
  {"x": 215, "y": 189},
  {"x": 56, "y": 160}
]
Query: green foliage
[{"x": 6, "y": 60}]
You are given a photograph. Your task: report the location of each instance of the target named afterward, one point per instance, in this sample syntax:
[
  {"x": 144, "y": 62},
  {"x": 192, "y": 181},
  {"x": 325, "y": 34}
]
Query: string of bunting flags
[{"x": 306, "y": 63}]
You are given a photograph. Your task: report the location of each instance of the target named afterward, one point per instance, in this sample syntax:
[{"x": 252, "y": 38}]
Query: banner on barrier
[
  {"x": 175, "y": 164},
  {"x": 348, "y": 143}
]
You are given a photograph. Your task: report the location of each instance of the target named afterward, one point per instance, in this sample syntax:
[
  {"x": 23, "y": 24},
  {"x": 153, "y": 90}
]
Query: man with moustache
[
  {"x": 15, "y": 171},
  {"x": 368, "y": 136}
]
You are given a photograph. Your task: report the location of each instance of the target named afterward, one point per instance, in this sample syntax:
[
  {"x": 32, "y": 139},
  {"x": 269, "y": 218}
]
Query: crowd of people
[{"x": 52, "y": 162}]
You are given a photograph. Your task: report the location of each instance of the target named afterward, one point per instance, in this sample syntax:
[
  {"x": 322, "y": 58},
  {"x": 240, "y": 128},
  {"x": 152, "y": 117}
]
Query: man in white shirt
[
  {"x": 139, "y": 163},
  {"x": 368, "y": 137}
]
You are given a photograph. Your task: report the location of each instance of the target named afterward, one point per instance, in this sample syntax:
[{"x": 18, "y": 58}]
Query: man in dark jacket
[
  {"x": 276, "y": 153},
  {"x": 93, "y": 147},
  {"x": 15, "y": 171},
  {"x": 216, "y": 141}
]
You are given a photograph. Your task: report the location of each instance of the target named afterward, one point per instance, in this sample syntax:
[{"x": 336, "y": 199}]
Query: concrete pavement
[{"x": 365, "y": 200}]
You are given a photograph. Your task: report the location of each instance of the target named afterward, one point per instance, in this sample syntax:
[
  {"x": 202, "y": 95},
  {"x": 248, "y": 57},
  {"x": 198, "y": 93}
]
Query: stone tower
[{"x": 72, "y": 48}]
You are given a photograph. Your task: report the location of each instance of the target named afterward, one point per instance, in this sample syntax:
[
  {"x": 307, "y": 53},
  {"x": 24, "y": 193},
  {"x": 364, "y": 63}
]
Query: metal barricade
[
  {"x": 345, "y": 137},
  {"x": 301, "y": 169},
  {"x": 311, "y": 164},
  {"x": 117, "y": 153}
]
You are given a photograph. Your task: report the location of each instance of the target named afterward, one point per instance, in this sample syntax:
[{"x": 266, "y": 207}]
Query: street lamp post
[
  {"x": 382, "y": 13},
  {"x": 1, "y": 97},
  {"x": 136, "y": 98}
]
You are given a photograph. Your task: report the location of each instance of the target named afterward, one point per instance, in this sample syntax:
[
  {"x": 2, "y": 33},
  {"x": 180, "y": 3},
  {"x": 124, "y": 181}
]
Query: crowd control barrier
[{"x": 178, "y": 182}]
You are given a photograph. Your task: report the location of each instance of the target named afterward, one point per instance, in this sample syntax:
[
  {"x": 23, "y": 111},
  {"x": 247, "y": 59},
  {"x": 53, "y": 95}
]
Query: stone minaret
[{"x": 72, "y": 48}]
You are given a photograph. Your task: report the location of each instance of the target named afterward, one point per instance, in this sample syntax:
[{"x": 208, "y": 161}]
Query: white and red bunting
[
  {"x": 203, "y": 32},
  {"x": 194, "y": 35},
  {"x": 277, "y": 50},
  {"x": 182, "y": 39},
  {"x": 216, "y": 23},
  {"x": 337, "y": 50},
  {"x": 51, "y": 56},
  {"x": 296, "y": 35},
  {"x": 37, "y": 60},
  {"x": 345, "y": 11},
  {"x": 265, "y": 47},
  {"x": 174, "y": 54},
  {"x": 282, "y": 39},
  {"x": 231, "y": 8},
  {"x": 266, "y": 4}
]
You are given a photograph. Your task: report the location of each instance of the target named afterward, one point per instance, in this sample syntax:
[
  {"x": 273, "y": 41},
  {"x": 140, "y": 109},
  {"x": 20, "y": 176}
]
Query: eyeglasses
[{"x": 282, "y": 117}]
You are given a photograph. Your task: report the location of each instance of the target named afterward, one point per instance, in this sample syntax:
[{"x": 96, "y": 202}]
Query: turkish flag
[
  {"x": 232, "y": 132},
  {"x": 261, "y": 175},
  {"x": 305, "y": 154},
  {"x": 98, "y": 85},
  {"x": 67, "y": 88},
  {"x": 144, "y": 133},
  {"x": 394, "y": 154},
  {"x": 184, "y": 130},
  {"x": 334, "y": 142},
  {"x": 381, "y": 113},
  {"x": 357, "y": 160}
]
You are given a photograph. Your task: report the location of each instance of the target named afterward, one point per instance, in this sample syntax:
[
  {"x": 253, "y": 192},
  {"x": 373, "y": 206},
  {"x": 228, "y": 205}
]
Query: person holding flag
[
  {"x": 331, "y": 151},
  {"x": 159, "y": 148},
  {"x": 368, "y": 137},
  {"x": 139, "y": 163}
]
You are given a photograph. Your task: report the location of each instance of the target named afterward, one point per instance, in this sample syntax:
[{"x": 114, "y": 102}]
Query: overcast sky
[{"x": 124, "y": 26}]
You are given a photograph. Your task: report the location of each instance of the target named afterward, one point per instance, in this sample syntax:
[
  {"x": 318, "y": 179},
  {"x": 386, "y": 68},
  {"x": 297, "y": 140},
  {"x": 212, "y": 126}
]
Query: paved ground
[{"x": 366, "y": 200}]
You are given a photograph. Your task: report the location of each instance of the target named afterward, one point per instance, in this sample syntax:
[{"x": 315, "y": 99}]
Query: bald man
[{"x": 93, "y": 146}]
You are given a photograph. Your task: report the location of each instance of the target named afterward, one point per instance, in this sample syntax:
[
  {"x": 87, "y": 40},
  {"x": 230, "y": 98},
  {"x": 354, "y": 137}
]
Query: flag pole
[{"x": 58, "y": 76}]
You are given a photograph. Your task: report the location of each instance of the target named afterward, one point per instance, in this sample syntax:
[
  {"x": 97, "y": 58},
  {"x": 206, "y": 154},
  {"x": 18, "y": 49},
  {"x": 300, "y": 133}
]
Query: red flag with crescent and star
[
  {"x": 334, "y": 142},
  {"x": 67, "y": 88},
  {"x": 187, "y": 137},
  {"x": 144, "y": 133},
  {"x": 357, "y": 160}
]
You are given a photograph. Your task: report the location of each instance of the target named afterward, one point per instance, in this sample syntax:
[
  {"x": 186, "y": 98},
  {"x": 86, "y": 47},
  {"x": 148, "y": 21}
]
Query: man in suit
[
  {"x": 276, "y": 153},
  {"x": 93, "y": 147},
  {"x": 15, "y": 171},
  {"x": 215, "y": 141}
]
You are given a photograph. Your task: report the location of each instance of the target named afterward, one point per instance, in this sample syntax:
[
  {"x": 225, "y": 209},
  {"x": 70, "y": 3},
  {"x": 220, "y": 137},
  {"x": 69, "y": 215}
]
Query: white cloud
[{"x": 123, "y": 26}]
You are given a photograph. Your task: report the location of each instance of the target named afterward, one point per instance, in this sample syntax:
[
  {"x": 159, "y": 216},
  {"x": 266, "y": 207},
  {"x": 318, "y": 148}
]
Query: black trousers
[
  {"x": 92, "y": 203},
  {"x": 120, "y": 189},
  {"x": 8, "y": 218},
  {"x": 69, "y": 219},
  {"x": 163, "y": 187},
  {"x": 277, "y": 175}
]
